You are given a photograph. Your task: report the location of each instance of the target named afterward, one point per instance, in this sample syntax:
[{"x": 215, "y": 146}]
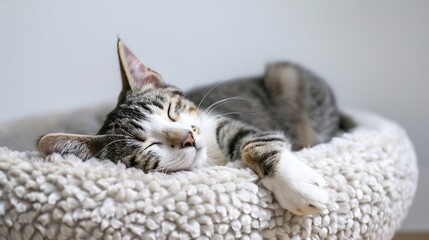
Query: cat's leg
[
  {"x": 286, "y": 87},
  {"x": 297, "y": 187}
]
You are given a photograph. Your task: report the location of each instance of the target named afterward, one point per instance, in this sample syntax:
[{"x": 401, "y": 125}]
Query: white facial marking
[{"x": 175, "y": 158}]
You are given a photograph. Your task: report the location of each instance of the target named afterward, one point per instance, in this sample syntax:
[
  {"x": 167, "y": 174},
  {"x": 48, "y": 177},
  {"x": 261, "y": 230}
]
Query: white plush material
[{"x": 371, "y": 174}]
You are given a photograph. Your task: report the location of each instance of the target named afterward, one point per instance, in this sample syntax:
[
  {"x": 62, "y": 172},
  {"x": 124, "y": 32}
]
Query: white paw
[{"x": 297, "y": 187}]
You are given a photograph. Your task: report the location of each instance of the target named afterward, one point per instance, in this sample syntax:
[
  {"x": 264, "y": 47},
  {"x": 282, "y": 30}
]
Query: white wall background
[{"x": 61, "y": 55}]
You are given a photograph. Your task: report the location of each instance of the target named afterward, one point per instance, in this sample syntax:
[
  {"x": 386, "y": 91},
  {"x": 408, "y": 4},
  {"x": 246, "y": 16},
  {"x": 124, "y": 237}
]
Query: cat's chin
[
  {"x": 194, "y": 158},
  {"x": 200, "y": 157}
]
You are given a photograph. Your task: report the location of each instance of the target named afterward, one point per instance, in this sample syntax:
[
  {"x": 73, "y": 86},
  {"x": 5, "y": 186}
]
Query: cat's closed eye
[
  {"x": 152, "y": 144},
  {"x": 170, "y": 115}
]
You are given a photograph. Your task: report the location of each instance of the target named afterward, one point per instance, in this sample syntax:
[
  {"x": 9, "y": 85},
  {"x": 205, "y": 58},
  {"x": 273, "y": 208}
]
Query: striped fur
[
  {"x": 154, "y": 127},
  {"x": 133, "y": 116},
  {"x": 149, "y": 114}
]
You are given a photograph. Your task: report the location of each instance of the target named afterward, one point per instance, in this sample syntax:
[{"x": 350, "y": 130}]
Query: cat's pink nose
[{"x": 189, "y": 140}]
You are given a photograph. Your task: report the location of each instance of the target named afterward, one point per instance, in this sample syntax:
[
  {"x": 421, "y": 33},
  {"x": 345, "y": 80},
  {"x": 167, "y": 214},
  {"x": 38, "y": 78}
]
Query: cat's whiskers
[
  {"x": 216, "y": 104},
  {"x": 208, "y": 92},
  {"x": 222, "y": 101},
  {"x": 230, "y": 113},
  {"x": 119, "y": 140}
]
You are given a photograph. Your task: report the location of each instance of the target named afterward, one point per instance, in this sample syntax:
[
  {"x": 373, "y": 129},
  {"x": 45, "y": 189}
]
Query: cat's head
[{"x": 153, "y": 127}]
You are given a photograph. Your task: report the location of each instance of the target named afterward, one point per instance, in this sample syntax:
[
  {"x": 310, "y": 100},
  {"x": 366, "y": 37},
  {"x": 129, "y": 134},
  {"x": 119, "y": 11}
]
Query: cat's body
[
  {"x": 288, "y": 98},
  {"x": 156, "y": 128}
]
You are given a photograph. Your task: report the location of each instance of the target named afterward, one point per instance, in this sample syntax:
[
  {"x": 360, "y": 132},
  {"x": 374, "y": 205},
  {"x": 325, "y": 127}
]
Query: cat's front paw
[{"x": 297, "y": 187}]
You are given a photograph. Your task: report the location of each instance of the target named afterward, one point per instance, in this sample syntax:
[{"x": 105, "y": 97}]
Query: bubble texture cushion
[{"x": 371, "y": 173}]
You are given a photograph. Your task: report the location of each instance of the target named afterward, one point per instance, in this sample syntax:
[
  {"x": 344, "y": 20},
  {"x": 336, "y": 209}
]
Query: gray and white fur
[
  {"x": 288, "y": 98},
  {"x": 257, "y": 120}
]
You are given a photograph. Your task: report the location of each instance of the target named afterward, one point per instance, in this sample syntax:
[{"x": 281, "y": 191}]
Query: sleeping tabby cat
[{"x": 154, "y": 127}]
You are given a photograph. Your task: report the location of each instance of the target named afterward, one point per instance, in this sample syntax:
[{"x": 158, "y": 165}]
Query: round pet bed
[{"x": 371, "y": 173}]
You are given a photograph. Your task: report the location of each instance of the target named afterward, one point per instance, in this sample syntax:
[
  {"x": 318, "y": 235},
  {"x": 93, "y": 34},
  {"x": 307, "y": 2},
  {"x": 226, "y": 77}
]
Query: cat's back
[
  {"x": 244, "y": 99},
  {"x": 288, "y": 97}
]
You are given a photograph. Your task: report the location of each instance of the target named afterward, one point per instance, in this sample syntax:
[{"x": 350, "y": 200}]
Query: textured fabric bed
[{"x": 371, "y": 174}]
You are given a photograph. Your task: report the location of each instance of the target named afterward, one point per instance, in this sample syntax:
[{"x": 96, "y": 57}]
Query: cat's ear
[
  {"x": 135, "y": 75},
  {"x": 83, "y": 146}
]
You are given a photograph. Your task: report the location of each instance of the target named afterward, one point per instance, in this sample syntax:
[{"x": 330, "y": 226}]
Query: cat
[
  {"x": 156, "y": 127},
  {"x": 288, "y": 98}
]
